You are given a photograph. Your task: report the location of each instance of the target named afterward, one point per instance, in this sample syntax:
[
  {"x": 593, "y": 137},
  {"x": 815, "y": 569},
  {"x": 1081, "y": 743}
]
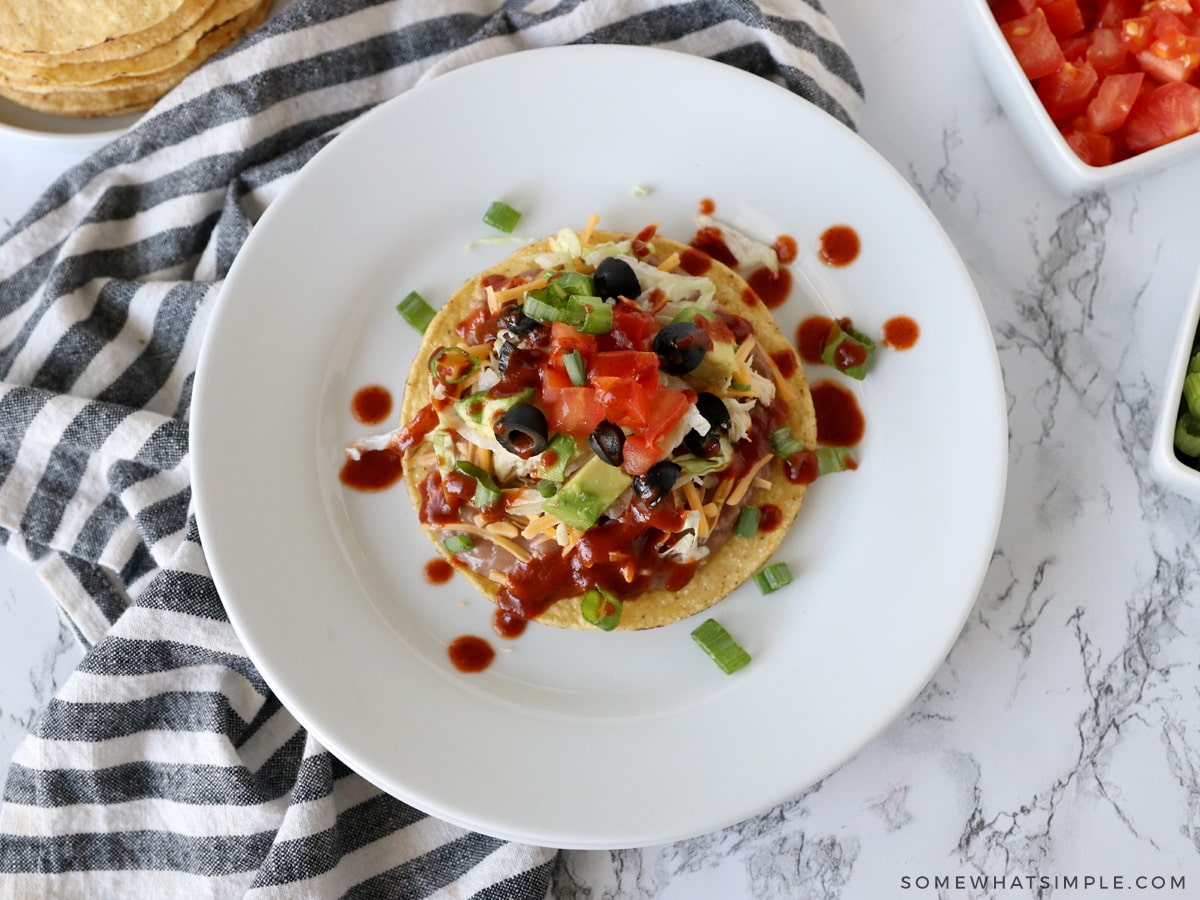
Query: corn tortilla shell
[
  {"x": 133, "y": 94},
  {"x": 719, "y": 573},
  {"x": 29, "y": 76},
  {"x": 63, "y": 26}
]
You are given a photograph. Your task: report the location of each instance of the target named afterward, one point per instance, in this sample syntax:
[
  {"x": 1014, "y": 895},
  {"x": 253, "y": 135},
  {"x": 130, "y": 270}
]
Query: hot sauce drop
[
  {"x": 900, "y": 333},
  {"x": 507, "y": 625},
  {"x": 839, "y": 246},
  {"x": 438, "y": 571},
  {"x": 840, "y": 421},
  {"x": 811, "y": 335},
  {"x": 371, "y": 404},
  {"x": 771, "y": 287},
  {"x": 374, "y": 470},
  {"x": 470, "y": 654}
]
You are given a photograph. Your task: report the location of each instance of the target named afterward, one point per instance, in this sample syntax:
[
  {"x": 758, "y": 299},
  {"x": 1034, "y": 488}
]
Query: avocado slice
[
  {"x": 588, "y": 493},
  {"x": 480, "y": 412},
  {"x": 720, "y": 362}
]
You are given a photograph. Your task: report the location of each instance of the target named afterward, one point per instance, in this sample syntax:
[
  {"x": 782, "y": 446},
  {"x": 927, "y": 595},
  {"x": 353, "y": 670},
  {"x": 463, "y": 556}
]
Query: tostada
[{"x": 585, "y": 423}]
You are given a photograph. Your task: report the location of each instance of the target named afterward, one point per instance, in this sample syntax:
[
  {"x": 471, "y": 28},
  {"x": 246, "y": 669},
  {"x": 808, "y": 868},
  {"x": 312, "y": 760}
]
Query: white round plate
[
  {"x": 588, "y": 739},
  {"x": 91, "y": 133}
]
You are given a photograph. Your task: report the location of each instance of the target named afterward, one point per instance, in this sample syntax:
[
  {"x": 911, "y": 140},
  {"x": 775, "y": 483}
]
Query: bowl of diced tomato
[{"x": 1100, "y": 90}]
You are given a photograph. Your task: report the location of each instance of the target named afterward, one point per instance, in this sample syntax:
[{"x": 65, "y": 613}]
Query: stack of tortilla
[{"x": 106, "y": 57}]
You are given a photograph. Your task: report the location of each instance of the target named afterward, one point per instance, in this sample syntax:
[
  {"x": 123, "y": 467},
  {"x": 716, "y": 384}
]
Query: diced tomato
[
  {"x": 1137, "y": 33},
  {"x": 633, "y": 329},
  {"x": 623, "y": 379},
  {"x": 1173, "y": 55},
  {"x": 1004, "y": 10},
  {"x": 1113, "y": 12},
  {"x": 1065, "y": 93},
  {"x": 554, "y": 379},
  {"x": 1174, "y": 7},
  {"x": 635, "y": 365},
  {"x": 575, "y": 411},
  {"x": 1075, "y": 48},
  {"x": 1106, "y": 52},
  {"x": 1113, "y": 101},
  {"x": 665, "y": 408},
  {"x": 1063, "y": 17},
  {"x": 565, "y": 338},
  {"x": 640, "y": 454},
  {"x": 1166, "y": 113},
  {"x": 1094, "y": 149},
  {"x": 1033, "y": 44}
]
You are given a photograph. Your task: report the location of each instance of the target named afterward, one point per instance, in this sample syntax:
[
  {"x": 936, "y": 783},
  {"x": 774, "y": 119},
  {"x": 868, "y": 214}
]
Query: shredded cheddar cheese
[
  {"x": 585, "y": 236},
  {"x": 746, "y": 480},
  {"x": 781, "y": 385},
  {"x": 516, "y": 292},
  {"x": 499, "y": 540},
  {"x": 671, "y": 262}
]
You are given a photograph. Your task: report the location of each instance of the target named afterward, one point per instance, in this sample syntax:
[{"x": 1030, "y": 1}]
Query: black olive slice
[
  {"x": 616, "y": 278},
  {"x": 608, "y": 442},
  {"x": 656, "y": 484},
  {"x": 715, "y": 412},
  {"x": 681, "y": 347},
  {"x": 522, "y": 430},
  {"x": 504, "y": 355},
  {"x": 513, "y": 319}
]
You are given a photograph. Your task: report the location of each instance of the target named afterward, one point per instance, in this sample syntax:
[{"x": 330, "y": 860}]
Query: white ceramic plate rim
[
  {"x": 19, "y": 123},
  {"x": 585, "y": 739}
]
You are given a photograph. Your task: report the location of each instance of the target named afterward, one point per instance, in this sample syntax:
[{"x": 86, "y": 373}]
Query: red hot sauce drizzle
[
  {"x": 771, "y": 287},
  {"x": 839, "y": 246},
  {"x": 840, "y": 421},
  {"x": 900, "y": 333},
  {"x": 371, "y": 404},
  {"x": 811, "y": 335},
  {"x": 375, "y": 470},
  {"x": 469, "y": 653},
  {"x": 438, "y": 571}
]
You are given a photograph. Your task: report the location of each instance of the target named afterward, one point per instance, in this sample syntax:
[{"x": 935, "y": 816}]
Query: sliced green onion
[
  {"x": 738, "y": 386},
  {"x": 1187, "y": 434},
  {"x": 547, "y": 488},
  {"x": 546, "y": 307},
  {"x": 747, "y": 523},
  {"x": 600, "y": 608},
  {"x": 848, "y": 351},
  {"x": 458, "y": 543},
  {"x": 416, "y": 311},
  {"x": 575, "y": 368},
  {"x": 784, "y": 443},
  {"x": 597, "y": 315},
  {"x": 564, "y": 284},
  {"x": 772, "y": 577},
  {"x": 452, "y": 365},
  {"x": 443, "y": 449},
  {"x": 501, "y": 216},
  {"x": 720, "y": 645},
  {"x": 486, "y": 492},
  {"x": 834, "y": 459},
  {"x": 1191, "y": 392}
]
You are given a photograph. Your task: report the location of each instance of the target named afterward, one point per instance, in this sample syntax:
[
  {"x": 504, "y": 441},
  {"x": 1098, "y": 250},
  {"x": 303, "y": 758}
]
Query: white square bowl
[
  {"x": 1065, "y": 170},
  {"x": 1167, "y": 467}
]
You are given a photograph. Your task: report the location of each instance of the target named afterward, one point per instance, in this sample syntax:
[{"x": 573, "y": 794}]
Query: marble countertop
[{"x": 1057, "y": 750}]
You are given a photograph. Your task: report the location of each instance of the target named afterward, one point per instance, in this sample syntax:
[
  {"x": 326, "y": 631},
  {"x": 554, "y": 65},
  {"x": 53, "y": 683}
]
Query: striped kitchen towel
[{"x": 165, "y": 767}]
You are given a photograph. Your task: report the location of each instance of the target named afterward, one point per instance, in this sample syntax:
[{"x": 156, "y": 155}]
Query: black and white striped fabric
[{"x": 165, "y": 767}]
